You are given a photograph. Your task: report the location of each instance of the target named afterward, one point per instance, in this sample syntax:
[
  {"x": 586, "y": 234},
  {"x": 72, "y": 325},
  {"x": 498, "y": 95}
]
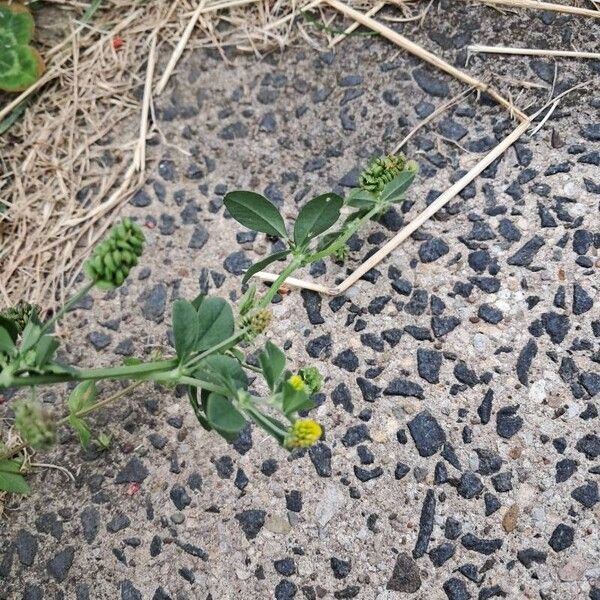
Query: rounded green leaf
[
  {"x": 185, "y": 328},
  {"x": 255, "y": 212},
  {"x": 317, "y": 216},
  {"x": 215, "y": 323},
  {"x": 223, "y": 416}
]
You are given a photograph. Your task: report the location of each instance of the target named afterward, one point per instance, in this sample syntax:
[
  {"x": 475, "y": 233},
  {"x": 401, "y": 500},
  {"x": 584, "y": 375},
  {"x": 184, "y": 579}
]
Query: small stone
[
  {"x": 179, "y": 496},
  {"x": 481, "y": 545},
  {"x": 430, "y": 84},
  {"x": 59, "y": 565},
  {"x": 470, "y": 485},
  {"x": 582, "y": 301},
  {"x": 405, "y": 388},
  {"x": 427, "y": 434},
  {"x": 27, "y": 546},
  {"x": 429, "y": 363},
  {"x": 426, "y": 522},
  {"x": 133, "y": 472},
  {"x": 346, "y": 360},
  {"x": 562, "y": 537},
  {"x": 528, "y": 556},
  {"x": 119, "y": 522},
  {"x": 406, "y": 577},
  {"x": 525, "y": 255},
  {"x": 508, "y": 423},
  {"x": 587, "y": 494},
  {"x": 251, "y": 522},
  {"x": 432, "y": 250},
  {"x": 456, "y": 589},
  {"x": 556, "y": 326},
  {"x": 511, "y": 518},
  {"x": 442, "y": 553}
]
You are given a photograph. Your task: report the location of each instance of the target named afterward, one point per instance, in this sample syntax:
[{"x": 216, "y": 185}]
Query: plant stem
[
  {"x": 266, "y": 299},
  {"x": 225, "y": 344},
  {"x": 205, "y": 385},
  {"x": 67, "y": 306},
  {"x": 102, "y": 403},
  {"x": 352, "y": 228},
  {"x": 121, "y": 372}
]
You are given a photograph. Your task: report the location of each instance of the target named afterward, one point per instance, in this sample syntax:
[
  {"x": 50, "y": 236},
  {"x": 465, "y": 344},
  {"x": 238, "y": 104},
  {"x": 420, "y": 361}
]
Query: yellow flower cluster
[
  {"x": 296, "y": 382},
  {"x": 303, "y": 433}
]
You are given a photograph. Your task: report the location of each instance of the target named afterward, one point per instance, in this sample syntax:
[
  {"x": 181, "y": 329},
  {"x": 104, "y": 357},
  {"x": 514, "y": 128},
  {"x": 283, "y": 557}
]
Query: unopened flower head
[
  {"x": 256, "y": 323},
  {"x": 112, "y": 260},
  {"x": 312, "y": 378},
  {"x": 34, "y": 424},
  {"x": 303, "y": 433},
  {"x": 381, "y": 171}
]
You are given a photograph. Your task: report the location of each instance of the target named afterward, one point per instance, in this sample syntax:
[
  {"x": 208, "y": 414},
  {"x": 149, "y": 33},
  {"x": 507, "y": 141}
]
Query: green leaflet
[
  {"x": 186, "y": 328},
  {"x": 255, "y": 212},
  {"x": 215, "y": 323},
  {"x": 265, "y": 262},
  {"x": 272, "y": 362},
  {"x": 20, "y": 64},
  {"x": 316, "y": 217},
  {"x": 11, "y": 479},
  {"x": 223, "y": 416}
]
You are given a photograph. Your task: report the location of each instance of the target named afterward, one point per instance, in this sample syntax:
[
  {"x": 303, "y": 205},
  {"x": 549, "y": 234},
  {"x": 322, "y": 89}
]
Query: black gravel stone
[
  {"x": 452, "y": 528},
  {"x": 565, "y": 468},
  {"x": 589, "y": 445},
  {"x": 285, "y": 590},
  {"x": 430, "y": 84},
  {"x": 341, "y": 568},
  {"x": 346, "y": 360},
  {"x": 427, "y": 434},
  {"x": 293, "y": 500},
  {"x": 556, "y": 326},
  {"x": 502, "y": 482},
  {"x": 27, "y": 547},
  {"x": 401, "y": 470},
  {"x": 320, "y": 455},
  {"x": 312, "y": 305},
  {"x": 90, "y": 521},
  {"x": 119, "y": 522},
  {"x": 456, "y": 589},
  {"x": 432, "y": 250},
  {"x": 508, "y": 423},
  {"x": 525, "y": 255},
  {"x": 582, "y": 301},
  {"x": 129, "y": 592},
  {"x": 153, "y": 302},
  {"x": 492, "y": 504},
  {"x": 426, "y": 522},
  {"x": 58, "y": 566},
  {"x": 526, "y": 356},
  {"x": 485, "y": 408},
  {"x": 133, "y": 472},
  {"x": 179, "y": 496},
  {"x": 587, "y": 494},
  {"x": 562, "y": 538},
  {"x": 403, "y": 387},
  {"x": 199, "y": 237},
  {"x": 237, "y": 263},
  {"x": 470, "y": 485},
  {"x": 355, "y": 435},
  {"x": 528, "y": 556},
  {"x": 444, "y": 325},
  {"x": 406, "y": 577},
  {"x": 319, "y": 347},
  {"x": 285, "y": 566},
  {"x": 440, "y": 554},
  {"x": 429, "y": 363},
  {"x": 251, "y": 522},
  {"x": 489, "y": 461},
  {"x": 367, "y": 474},
  {"x": 490, "y": 314},
  {"x": 481, "y": 545}
]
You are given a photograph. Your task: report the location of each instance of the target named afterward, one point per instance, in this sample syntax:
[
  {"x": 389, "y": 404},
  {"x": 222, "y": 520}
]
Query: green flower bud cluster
[
  {"x": 34, "y": 424},
  {"x": 341, "y": 254},
  {"x": 20, "y": 313},
  {"x": 113, "y": 258},
  {"x": 381, "y": 171},
  {"x": 312, "y": 379},
  {"x": 256, "y": 323}
]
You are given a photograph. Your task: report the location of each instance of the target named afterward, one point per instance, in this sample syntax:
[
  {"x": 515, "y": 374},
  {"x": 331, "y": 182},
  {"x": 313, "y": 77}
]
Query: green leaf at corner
[
  {"x": 215, "y": 323},
  {"x": 272, "y": 362},
  {"x": 295, "y": 400},
  {"x": 82, "y": 396},
  {"x": 185, "y": 328},
  {"x": 394, "y": 190},
  {"x": 7, "y": 344},
  {"x": 11, "y": 479},
  {"x": 255, "y": 212},
  {"x": 265, "y": 262},
  {"x": 317, "y": 216},
  {"x": 82, "y": 430},
  {"x": 223, "y": 416}
]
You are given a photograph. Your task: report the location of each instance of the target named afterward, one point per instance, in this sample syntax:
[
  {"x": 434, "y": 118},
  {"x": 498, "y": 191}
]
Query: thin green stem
[
  {"x": 295, "y": 264},
  {"x": 102, "y": 403},
  {"x": 224, "y": 345},
  {"x": 122, "y": 372},
  {"x": 339, "y": 242},
  {"x": 205, "y": 385}
]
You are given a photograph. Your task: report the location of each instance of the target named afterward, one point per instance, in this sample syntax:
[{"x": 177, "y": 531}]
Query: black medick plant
[{"x": 210, "y": 338}]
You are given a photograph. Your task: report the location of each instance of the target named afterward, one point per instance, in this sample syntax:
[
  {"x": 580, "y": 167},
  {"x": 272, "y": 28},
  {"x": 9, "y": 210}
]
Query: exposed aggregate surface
[{"x": 462, "y": 450}]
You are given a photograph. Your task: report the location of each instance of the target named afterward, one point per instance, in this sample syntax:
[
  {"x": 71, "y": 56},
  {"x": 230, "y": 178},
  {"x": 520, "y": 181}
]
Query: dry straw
[{"x": 64, "y": 170}]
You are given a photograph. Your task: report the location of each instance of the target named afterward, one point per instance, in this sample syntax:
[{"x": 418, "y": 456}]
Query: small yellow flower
[
  {"x": 303, "y": 433},
  {"x": 296, "y": 382}
]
